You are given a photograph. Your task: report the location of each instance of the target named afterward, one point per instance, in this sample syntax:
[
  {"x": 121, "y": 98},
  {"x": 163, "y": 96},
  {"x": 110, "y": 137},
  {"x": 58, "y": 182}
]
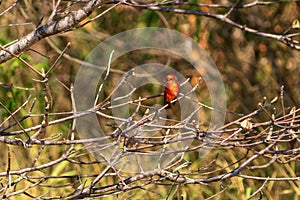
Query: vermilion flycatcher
[{"x": 172, "y": 89}]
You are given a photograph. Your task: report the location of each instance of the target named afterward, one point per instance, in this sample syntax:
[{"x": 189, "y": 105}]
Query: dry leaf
[
  {"x": 246, "y": 124},
  {"x": 296, "y": 24}
]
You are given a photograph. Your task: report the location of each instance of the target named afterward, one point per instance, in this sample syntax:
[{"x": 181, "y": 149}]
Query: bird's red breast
[{"x": 172, "y": 88}]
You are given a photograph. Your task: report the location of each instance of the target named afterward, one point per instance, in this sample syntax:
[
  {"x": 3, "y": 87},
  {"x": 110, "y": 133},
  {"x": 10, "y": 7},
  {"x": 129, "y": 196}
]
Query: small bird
[{"x": 171, "y": 89}]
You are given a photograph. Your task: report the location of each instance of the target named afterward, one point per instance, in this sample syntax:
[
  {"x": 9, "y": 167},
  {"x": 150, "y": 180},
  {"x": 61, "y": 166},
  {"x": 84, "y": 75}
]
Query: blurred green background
[{"x": 252, "y": 67}]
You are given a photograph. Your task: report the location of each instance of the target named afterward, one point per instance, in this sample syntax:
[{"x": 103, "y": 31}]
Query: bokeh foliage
[{"x": 252, "y": 67}]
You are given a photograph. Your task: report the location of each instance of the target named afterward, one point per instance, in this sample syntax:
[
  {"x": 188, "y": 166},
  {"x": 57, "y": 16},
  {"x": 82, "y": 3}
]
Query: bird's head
[{"x": 171, "y": 77}]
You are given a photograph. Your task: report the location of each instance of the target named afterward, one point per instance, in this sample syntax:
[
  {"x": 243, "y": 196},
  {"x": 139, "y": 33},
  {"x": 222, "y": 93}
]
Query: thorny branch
[{"x": 262, "y": 144}]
